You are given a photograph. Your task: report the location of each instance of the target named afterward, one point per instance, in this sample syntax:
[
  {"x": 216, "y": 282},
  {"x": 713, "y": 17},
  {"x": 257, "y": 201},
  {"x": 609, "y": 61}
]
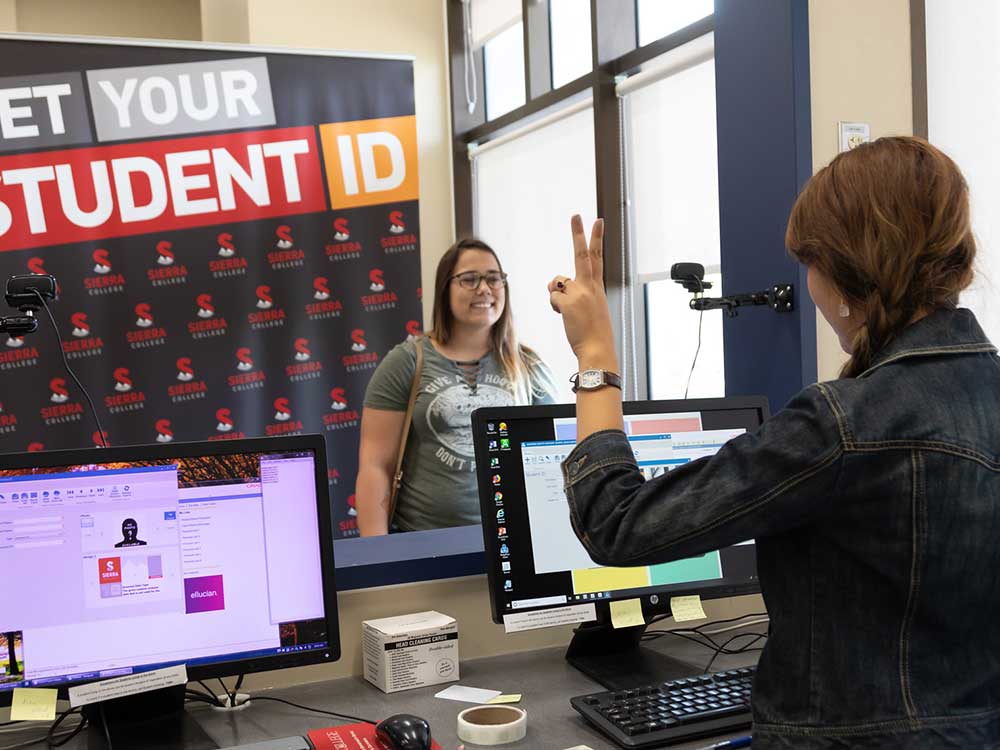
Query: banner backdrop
[{"x": 234, "y": 233}]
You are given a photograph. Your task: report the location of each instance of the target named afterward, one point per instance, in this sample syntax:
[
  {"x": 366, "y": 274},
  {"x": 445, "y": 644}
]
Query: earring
[{"x": 843, "y": 310}]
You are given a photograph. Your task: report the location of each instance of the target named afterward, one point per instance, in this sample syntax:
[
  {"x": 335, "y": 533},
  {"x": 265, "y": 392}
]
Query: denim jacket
[{"x": 875, "y": 504}]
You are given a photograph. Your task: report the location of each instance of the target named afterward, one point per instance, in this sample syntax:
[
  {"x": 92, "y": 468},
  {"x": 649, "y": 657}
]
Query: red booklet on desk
[{"x": 349, "y": 737}]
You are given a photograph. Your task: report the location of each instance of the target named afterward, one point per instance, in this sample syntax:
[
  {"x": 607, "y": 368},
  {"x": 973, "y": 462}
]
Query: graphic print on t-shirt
[{"x": 449, "y": 415}]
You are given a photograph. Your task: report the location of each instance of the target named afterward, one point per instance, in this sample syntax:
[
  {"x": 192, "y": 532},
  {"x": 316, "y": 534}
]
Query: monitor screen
[
  {"x": 215, "y": 555},
  {"x": 533, "y": 557}
]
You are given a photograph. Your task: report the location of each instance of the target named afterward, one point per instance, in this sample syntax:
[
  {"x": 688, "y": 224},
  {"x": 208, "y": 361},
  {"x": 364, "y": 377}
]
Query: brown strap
[{"x": 397, "y": 477}]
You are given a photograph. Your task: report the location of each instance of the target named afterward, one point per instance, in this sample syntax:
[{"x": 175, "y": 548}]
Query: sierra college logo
[
  {"x": 340, "y": 416},
  {"x": 167, "y": 271},
  {"x": 267, "y": 316},
  {"x": 305, "y": 367},
  {"x": 398, "y": 240},
  {"x": 209, "y": 322},
  {"x": 63, "y": 409},
  {"x": 8, "y": 421},
  {"x": 349, "y": 526},
  {"x": 225, "y": 426},
  {"x": 126, "y": 397},
  {"x": 361, "y": 359},
  {"x": 248, "y": 378},
  {"x": 84, "y": 343},
  {"x": 325, "y": 306},
  {"x": 286, "y": 255},
  {"x": 189, "y": 388},
  {"x": 228, "y": 263},
  {"x": 164, "y": 434},
  {"x": 104, "y": 279},
  {"x": 381, "y": 298},
  {"x": 342, "y": 247},
  {"x": 146, "y": 333},
  {"x": 284, "y": 422},
  {"x": 18, "y": 355},
  {"x": 413, "y": 330}
]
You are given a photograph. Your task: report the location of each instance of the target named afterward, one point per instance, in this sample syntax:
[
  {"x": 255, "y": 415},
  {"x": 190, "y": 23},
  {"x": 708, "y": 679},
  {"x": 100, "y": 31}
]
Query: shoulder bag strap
[{"x": 397, "y": 477}]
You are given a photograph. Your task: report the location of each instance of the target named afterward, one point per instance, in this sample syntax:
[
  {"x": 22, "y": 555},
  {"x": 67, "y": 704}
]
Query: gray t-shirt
[{"x": 439, "y": 481}]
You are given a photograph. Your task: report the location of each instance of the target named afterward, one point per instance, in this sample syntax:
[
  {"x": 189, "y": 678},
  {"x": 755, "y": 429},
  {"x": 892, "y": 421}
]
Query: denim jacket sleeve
[{"x": 758, "y": 484}]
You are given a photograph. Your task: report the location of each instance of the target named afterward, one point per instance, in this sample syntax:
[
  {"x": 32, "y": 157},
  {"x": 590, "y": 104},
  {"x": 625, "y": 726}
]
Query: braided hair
[{"x": 888, "y": 224}]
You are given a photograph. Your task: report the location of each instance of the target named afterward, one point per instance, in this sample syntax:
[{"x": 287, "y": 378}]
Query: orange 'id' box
[{"x": 369, "y": 162}]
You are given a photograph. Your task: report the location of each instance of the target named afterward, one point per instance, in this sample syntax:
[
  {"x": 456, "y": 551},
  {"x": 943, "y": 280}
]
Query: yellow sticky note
[
  {"x": 627, "y": 614},
  {"x": 33, "y": 704},
  {"x": 686, "y": 608},
  {"x": 512, "y": 698}
]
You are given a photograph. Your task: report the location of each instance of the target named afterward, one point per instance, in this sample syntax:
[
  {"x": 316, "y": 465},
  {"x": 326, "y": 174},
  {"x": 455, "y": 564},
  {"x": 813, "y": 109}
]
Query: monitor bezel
[
  {"x": 279, "y": 444},
  {"x": 652, "y": 604}
]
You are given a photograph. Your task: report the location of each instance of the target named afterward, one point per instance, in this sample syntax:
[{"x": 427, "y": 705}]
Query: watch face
[{"x": 591, "y": 378}]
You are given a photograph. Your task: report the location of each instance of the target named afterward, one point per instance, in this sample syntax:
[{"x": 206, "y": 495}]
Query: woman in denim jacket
[{"x": 874, "y": 499}]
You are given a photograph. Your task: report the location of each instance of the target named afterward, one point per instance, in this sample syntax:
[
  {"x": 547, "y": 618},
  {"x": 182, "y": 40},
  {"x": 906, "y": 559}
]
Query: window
[
  {"x": 526, "y": 189},
  {"x": 962, "y": 118},
  {"x": 504, "y": 61},
  {"x": 658, "y": 18},
  {"x": 569, "y": 24},
  {"x": 672, "y": 166}
]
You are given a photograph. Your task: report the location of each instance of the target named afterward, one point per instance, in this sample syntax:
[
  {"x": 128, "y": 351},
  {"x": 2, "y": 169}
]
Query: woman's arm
[{"x": 381, "y": 431}]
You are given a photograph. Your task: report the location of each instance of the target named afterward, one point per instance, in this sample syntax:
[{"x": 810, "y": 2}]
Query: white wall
[
  {"x": 963, "y": 112},
  {"x": 162, "y": 19},
  {"x": 859, "y": 67}
]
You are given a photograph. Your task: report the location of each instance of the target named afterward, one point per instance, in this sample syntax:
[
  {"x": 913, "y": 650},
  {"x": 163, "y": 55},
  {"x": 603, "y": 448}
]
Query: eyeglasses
[{"x": 472, "y": 279}]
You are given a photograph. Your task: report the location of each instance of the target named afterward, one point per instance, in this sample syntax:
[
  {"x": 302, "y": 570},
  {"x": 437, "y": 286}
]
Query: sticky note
[
  {"x": 467, "y": 694},
  {"x": 627, "y": 614},
  {"x": 686, "y": 608},
  {"x": 512, "y": 698},
  {"x": 33, "y": 704}
]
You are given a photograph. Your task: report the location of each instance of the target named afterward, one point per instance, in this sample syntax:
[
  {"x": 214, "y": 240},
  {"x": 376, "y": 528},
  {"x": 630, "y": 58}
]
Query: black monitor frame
[
  {"x": 610, "y": 656},
  {"x": 286, "y": 444}
]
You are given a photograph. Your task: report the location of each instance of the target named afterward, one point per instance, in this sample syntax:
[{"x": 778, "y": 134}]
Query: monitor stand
[
  {"x": 155, "y": 720},
  {"x": 616, "y": 659}
]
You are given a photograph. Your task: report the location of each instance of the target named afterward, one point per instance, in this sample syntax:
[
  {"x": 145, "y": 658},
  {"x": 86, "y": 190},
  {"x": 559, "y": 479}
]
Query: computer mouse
[{"x": 404, "y": 732}]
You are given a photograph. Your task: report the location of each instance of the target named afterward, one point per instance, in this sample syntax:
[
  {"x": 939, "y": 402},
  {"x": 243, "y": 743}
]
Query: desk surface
[{"x": 543, "y": 677}]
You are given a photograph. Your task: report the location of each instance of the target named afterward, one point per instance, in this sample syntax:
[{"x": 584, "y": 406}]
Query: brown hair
[
  {"x": 517, "y": 361},
  {"x": 888, "y": 224}
]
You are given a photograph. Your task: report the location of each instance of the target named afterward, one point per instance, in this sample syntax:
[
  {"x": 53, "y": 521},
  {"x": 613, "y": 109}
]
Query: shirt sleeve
[
  {"x": 781, "y": 476},
  {"x": 389, "y": 387}
]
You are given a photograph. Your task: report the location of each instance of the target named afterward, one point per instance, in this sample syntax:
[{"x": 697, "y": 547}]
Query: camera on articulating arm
[
  {"x": 27, "y": 293},
  {"x": 691, "y": 276}
]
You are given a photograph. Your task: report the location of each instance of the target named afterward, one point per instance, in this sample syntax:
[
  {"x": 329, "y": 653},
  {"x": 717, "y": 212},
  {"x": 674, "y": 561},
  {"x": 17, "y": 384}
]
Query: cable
[
  {"x": 314, "y": 710},
  {"x": 93, "y": 410},
  {"x": 471, "y": 95},
  {"x": 743, "y": 649},
  {"x": 230, "y": 695},
  {"x": 701, "y": 314},
  {"x": 64, "y": 736},
  {"x": 107, "y": 732}
]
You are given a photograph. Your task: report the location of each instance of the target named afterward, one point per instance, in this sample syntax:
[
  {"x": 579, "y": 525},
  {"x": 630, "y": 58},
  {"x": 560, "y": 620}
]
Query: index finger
[{"x": 581, "y": 253}]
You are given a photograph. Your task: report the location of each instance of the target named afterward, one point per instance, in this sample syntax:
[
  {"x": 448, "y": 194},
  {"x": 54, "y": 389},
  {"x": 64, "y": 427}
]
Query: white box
[{"x": 410, "y": 651}]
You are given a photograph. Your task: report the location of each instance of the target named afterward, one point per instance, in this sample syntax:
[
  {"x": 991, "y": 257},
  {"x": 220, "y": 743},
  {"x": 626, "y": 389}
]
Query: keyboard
[{"x": 675, "y": 711}]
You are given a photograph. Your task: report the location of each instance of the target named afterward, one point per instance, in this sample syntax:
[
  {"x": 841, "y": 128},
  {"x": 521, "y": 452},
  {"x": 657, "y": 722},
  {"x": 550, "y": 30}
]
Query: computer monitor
[
  {"x": 534, "y": 560},
  {"x": 215, "y": 555}
]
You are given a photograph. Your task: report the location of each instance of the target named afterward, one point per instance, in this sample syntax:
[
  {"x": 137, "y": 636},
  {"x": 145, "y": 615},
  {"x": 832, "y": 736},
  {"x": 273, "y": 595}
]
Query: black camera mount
[
  {"x": 779, "y": 297},
  {"x": 27, "y": 293}
]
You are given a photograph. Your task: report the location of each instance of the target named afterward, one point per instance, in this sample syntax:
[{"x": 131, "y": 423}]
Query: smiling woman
[{"x": 470, "y": 359}]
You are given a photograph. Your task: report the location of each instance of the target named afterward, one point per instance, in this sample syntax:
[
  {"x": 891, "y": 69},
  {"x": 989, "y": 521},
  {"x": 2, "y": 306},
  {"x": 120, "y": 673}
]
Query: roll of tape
[{"x": 492, "y": 725}]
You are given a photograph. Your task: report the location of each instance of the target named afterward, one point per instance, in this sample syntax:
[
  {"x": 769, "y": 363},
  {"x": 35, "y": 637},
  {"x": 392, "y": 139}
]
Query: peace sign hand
[{"x": 582, "y": 301}]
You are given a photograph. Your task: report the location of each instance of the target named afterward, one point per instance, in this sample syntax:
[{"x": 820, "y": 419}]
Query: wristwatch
[{"x": 591, "y": 380}]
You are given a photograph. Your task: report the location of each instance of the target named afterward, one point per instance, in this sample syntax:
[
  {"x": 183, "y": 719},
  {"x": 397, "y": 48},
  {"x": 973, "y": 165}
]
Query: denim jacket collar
[{"x": 943, "y": 332}]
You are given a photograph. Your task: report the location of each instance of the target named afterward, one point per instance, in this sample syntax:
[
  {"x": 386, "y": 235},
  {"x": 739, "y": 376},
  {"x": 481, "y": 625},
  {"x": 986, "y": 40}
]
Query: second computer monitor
[{"x": 533, "y": 558}]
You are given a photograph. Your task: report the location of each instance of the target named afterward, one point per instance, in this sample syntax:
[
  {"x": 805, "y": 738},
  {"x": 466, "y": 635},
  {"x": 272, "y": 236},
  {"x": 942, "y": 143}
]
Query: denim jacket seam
[
  {"x": 929, "y": 445},
  {"x": 838, "y": 413},
  {"x": 764, "y": 499},
  {"x": 929, "y": 351},
  {"x": 867, "y": 727},
  {"x": 597, "y": 466},
  {"x": 918, "y": 528}
]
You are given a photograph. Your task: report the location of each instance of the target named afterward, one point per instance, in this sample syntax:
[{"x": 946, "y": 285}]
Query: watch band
[{"x": 606, "y": 378}]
